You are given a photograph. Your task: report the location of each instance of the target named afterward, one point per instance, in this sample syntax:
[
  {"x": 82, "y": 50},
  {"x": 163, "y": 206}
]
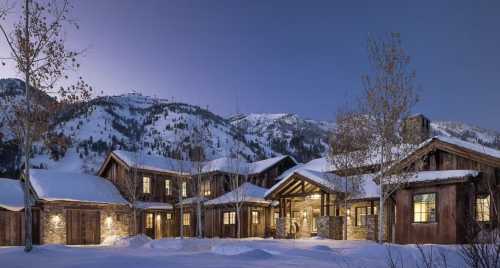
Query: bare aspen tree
[
  {"x": 133, "y": 180},
  {"x": 198, "y": 141},
  {"x": 37, "y": 48},
  {"x": 238, "y": 176},
  {"x": 388, "y": 97},
  {"x": 347, "y": 153},
  {"x": 182, "y": 168}
]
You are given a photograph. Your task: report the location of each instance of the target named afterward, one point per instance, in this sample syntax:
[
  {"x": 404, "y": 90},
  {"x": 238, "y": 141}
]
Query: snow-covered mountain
[{"x": 85, "y": 135}]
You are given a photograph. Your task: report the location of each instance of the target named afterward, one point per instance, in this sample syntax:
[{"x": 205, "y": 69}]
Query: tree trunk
[
  {"x": 381, "y": 218},
  {"x": 27, "y": 196},
  {"x": 198, "y": 215},
  {"x": 238, "y": 218}
]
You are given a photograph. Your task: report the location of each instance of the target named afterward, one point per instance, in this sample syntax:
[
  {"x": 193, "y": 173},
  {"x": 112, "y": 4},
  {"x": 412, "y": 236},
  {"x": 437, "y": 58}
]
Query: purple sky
[{"x": 304, "y": 57}]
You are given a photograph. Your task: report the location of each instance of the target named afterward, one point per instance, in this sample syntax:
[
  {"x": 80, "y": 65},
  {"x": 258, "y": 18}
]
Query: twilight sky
[{"x": 304, "y": 57}]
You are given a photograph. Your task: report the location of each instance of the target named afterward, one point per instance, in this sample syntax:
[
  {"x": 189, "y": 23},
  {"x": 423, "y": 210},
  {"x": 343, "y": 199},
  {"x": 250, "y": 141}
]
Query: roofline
[{"x": 322, "y": 187}]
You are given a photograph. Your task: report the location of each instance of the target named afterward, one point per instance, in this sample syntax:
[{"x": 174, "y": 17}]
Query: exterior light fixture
[{"x": 108, "y": 222}]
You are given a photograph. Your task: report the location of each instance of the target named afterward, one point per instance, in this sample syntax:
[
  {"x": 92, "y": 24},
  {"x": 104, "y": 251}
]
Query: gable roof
[
  {"x": 247, "y": 192},
  {"x": 11, "y": 194},
  {"x": 154, "y": 162},
  {"x": 456, "y": 146},
  {"x": 327, "y": 181},
  {"x": 52, "y": 185}
]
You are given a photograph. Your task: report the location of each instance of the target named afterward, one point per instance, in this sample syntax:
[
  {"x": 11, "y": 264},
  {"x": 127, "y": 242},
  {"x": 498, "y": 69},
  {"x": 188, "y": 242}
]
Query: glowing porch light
[
  {"x": 55, "y": 220},
  {"x": 108, "y": 222}
]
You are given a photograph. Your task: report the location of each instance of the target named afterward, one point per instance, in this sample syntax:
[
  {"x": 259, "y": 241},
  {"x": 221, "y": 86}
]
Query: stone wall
[
  {"x": 330, "y": 227},
  {"x": 53, "y": 225},
  {"x": 357, "y": 232},
  {"x": 115, "y": 223},
  {"x": 282, "y": 227}
]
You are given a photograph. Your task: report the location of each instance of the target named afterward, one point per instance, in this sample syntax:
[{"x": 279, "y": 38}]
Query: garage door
[
  {"x": 11, "y": 228},
  {"x": 82, "y": 227}
]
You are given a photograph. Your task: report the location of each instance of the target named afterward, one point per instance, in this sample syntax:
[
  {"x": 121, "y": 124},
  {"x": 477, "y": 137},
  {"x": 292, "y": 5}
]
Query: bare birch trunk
[{"x": 27, "y": 199}]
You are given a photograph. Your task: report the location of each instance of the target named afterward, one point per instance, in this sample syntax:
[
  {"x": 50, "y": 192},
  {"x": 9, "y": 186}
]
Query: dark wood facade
[
  {"x": 255, "y": 221},
  {"x": 11, "y": 228},
  {"x": 455, "y": 197}
]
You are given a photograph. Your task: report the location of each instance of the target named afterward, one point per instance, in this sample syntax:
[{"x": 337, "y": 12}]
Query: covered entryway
[
  {"x": 305, "y": 197},
  {"x": 83, "y": 227},
  {"x": 159, "y": 224}
]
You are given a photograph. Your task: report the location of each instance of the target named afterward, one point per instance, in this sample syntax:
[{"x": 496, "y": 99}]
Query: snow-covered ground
[{"x": 142, "y": 252}]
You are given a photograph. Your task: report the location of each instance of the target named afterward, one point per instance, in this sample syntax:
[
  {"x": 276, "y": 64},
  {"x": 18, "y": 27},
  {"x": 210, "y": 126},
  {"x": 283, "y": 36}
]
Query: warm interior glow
[
  {"x": 314, "y": 197},
  {"x": 108, "y": 221},
  {"x": 56, "y": 219}
]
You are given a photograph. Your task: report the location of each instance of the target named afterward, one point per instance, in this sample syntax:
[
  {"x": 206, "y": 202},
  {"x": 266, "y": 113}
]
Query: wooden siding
[
  {"x": 83, "y": 227},
  {"x": 11, "y": 228},
  {"x": 454, "y": 204},
  {"x": 214, "y": 225}
]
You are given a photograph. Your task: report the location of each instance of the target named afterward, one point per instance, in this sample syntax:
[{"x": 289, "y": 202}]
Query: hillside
[{"x": 85, "y": 135}]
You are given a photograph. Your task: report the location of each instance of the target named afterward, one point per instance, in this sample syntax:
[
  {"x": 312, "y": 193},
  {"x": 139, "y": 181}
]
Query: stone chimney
[{"x": 416, "y": 129}]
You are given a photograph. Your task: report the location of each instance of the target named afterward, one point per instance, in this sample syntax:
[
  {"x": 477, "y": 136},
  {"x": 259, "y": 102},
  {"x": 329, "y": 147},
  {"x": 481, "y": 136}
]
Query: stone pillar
[
  {"x": 329, "y": 227},
  {"x": 53, "y": 229},
  {"x": 372, "y": 223},
  {"x": 282, "y": 227},
  {"x": 114, "y": 224}
]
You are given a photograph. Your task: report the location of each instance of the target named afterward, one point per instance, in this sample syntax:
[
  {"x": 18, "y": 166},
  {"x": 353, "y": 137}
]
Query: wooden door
[
  {"x": 168, "y": 225},
  {"x": 158, "y": 226},
  {"x": 83, "y": 227},
  {"x": 11, "y": 228}
]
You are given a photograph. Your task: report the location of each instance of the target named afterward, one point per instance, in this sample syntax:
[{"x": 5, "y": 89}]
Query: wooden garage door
[
  {"x": 11, "y": 225},
  {"x": 82, "y": 227}
]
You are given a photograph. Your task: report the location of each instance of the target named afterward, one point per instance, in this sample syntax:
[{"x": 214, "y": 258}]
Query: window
[
  {"x": 276, "y": 216},
  {"x": 229, "y": 217},
  {"x": 169, "y": 216},
  {"x": 361, "y": 216},
  {"x": 184, "y": 189},
  {"x": 482, "y": 207},
  {"x": 146, "y": 185},
  {"x": 149, "y": 220},
  {"x": 424, "y": 208},
  {"x": 205, "y": 188},
  {"x": 186, "y": 219},
  {"x": 374, "y": 211},
  {"x": 168, "y": 187},
  {"x": 255, "y": 217}
]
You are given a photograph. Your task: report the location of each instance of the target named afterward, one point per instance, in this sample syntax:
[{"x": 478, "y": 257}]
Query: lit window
[
  {"x": 361, "y": 215},
  {"x": 168, "y": 189},
  {"x": 276, "y": 216},
  {"x": 314, "y": 225},
  {"x": 169, "y": 216},
  {"x": 375, "y": 210},
  {"x": 149, "y": 220},
  {"x": 229, "y": 218},
  {"x": 146, "y": 185},
  {"x": 184, "y": 189},
  {"x": 186, "y": 219},
  {"x": 424, "y": 208},
  {"x": 255, "y": 217},
  {"x": 483, "y": 207},
  {"x": 205, "y": 188}
]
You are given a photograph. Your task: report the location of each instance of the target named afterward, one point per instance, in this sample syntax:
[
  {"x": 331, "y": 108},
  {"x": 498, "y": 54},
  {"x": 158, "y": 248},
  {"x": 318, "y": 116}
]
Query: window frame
[
  {"x": 366, "y": 210},
  {"x": 149, "y": 221},
  {"x": 255, "y": 218},
  {"x": 485, "y": 196},
  {"x": 184, "y": 189},
  {"x": 186, "y": 217},
  {"x": 231, "y": 218},
  {"x": 148, "y": 184},
  {"x": 436, "y": 203},
  {"x": 206, "y": 188},
  {"x": 168, "y": 187}
]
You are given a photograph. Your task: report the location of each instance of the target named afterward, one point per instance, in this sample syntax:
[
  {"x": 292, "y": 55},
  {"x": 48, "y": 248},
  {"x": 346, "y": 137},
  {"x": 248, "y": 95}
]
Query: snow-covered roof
[
  {"x": 324, "y": 179},
  {"x": 368, "y": 188},
  {"x": 325, "y": 164},
  {"x": 52, "y": 185},
  {"x": 153, "y": 205},
  {"x": 426, "y": 176},
  {"x": 192, "y": 200},
  {"x": 224, "y": 164},
  {"x": 153, "y": 162},
  {"x": 247, "y": 192},
  {"x": 468, "y": 145},
  {"x": 11, "y": 194}
]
